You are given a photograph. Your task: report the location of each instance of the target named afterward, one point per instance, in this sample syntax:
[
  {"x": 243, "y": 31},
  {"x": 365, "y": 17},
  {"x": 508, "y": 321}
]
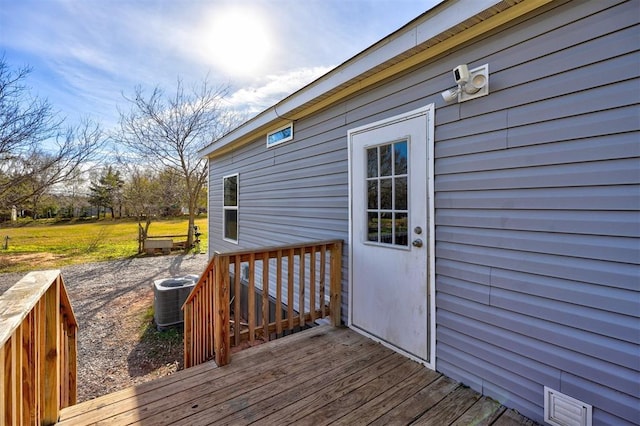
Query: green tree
[{"x": 107, "y": 191}]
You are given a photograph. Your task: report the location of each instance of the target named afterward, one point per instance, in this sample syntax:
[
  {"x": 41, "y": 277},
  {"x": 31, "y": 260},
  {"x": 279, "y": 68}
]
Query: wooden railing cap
[
  {"x": 258, "y": 250},
  {"x": 19, "y": 300}
]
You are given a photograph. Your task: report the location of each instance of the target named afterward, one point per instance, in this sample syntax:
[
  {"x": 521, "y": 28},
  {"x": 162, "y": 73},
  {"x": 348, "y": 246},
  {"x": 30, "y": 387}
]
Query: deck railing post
[
  {"x": 4, "y": 399},
  {"x": 335, "y": 286},
  {"x": 72, "y": 363},
  {"x": 222, "y": 338},
  {"x": 28, "y": 379},
  {"x": 52, "y": 355},
  {"x": 188, "y": 356}
]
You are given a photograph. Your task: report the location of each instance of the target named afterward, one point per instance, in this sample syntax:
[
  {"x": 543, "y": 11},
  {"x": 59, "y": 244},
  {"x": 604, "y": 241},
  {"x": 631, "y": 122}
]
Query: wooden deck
[{"x": 320, "y": 376}]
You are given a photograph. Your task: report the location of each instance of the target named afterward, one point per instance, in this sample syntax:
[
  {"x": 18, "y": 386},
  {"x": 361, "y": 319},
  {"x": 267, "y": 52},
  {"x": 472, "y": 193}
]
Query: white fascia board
[
  {"x": 447, "y": 15},
  {"x": 451, "y": 13}
]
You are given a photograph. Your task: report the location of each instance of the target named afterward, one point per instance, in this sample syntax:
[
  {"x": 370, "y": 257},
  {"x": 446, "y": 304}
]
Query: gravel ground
[{"x": 110, "y": 300}]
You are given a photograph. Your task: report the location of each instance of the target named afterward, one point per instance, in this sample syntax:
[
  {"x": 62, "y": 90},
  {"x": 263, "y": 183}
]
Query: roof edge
[{"x": 428, "y": 26}]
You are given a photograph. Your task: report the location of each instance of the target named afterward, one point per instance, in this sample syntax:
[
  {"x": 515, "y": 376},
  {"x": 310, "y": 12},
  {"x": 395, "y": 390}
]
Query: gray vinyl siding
[
  {"x": 537, "y": 221},
  {"x": 287, "y": 195},
  {"x": 294, "y": 192},
  {"x": 537, "y": 205}
]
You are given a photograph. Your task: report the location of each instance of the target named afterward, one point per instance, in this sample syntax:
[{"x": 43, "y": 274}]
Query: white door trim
[{"x": 427, "y": 111}]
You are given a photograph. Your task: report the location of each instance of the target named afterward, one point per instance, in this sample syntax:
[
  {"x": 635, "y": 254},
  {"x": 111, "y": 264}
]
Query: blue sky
[{"x": 86, "y": 53}]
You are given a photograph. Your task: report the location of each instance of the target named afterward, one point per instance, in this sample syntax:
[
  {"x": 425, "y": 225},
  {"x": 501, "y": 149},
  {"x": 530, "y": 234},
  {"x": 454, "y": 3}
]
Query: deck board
[
  {"x": 287, "y": 393},
  {"x": 334, "y": 403},
  {"x": 483, "y": 413},
  {"x": 392, "y": 397},
  {"x": 321, "y": 376}
]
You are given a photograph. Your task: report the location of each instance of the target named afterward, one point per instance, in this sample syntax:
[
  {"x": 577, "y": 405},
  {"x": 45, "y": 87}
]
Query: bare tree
[
  {"x": 40, "y": 168},
  {"x": 167, "y": 131},
  {"x": 24, "y": 121},
  {"x": 141, "y": 194},
  {"x": 36, "y": 150},
  {"x": 75, "y": 195}
]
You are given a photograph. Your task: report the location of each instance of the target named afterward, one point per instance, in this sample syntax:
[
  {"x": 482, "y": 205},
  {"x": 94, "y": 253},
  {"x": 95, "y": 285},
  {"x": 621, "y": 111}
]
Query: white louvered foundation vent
[{"x": 562, "y": 410}]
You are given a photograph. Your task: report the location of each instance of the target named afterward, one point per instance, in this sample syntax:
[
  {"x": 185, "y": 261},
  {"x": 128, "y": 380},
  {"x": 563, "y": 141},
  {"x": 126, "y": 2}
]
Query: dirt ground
[
  {"x": 117, "y": 344},
  {"x": 43, "y": 260}
]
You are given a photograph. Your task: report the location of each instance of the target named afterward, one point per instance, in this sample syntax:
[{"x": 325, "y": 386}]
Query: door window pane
[
  {"x": 401, "y": 229},
  {"x": 387, "y": 194},
  {"x": 372, "y": 194},
  {"x": 372, "y": 162},
  {"x": 385, "y": 160},
  {"x": 386, "y": 228},
  {"x": 400, "y": 196},
  {"x": 372, "y": 227},
  {"x": 400, "y": 157},
  {"x": 386, "y": 191}
]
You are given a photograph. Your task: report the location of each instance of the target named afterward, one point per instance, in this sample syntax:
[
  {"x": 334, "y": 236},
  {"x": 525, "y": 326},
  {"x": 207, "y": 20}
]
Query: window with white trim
[
  {"x": 281, "y": 135},
  {"x": 230, "y": 208}
]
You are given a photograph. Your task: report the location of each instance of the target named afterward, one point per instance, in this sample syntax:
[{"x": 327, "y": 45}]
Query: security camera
[
  {"x": 471, "y": 83},
  {"x": 450, "y": 95},
  {"x": 461, "y": 74}
]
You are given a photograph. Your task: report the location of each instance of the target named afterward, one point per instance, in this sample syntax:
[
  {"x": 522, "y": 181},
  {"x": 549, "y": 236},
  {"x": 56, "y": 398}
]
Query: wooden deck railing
[
  {"x": 289, "y": 281},
  {"x": 38, "y": 350}
]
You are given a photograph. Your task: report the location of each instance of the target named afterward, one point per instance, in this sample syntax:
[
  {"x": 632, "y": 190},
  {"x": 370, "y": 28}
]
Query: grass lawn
[{"x": 46, "y": 244}]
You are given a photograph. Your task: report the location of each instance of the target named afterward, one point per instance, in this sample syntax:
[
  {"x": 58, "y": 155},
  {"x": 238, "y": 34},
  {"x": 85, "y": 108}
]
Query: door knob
[{"x": 417, "y": 242}]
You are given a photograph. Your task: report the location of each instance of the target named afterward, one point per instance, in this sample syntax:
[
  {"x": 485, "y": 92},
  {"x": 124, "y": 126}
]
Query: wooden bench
[{"x": 151, "y": 245}]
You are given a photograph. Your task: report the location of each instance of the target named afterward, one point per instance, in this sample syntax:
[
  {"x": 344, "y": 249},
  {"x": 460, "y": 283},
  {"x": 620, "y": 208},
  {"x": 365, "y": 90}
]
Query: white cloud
[
  {"x": 86, "y": 53},
  {"x": 272, "y": 89}
]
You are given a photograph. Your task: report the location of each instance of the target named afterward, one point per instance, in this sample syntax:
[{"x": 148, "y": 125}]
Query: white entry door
[{"x": 391, "y": 241}]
